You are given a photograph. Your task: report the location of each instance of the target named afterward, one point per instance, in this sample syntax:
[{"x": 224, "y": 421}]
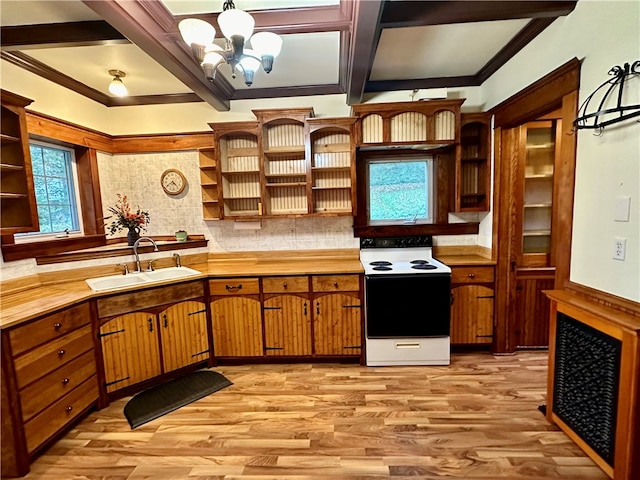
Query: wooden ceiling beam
[
  {"x": 362, "y": 46},
  {"x": 289, "y": 20},
  {"x": 413, "y": 14},
  {"x": 153, "y": 29},
  {"x": 55, "y": 35}
]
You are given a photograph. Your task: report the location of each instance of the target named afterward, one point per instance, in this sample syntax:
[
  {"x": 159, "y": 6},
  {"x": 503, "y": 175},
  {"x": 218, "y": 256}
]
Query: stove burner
[
  {"x": 383, "y": 267},
  {"x": 381, "y": 263},
  {"x": 424, "y": 266},
  {"x": 419, "y": 262}
]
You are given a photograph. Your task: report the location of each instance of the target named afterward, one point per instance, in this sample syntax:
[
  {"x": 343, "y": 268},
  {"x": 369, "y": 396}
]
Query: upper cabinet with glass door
[{"x": 539, "y": 154}]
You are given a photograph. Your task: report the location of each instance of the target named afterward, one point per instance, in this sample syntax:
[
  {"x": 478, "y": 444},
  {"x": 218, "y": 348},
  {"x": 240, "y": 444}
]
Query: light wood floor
[{"x": 477, "y": 419}]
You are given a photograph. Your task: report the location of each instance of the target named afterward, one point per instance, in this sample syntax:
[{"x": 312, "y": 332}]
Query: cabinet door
[
  {"x": 337, "y": 324},
  {"x": 237, "y": 327},
  {"x": 532, "y": 311},
  {"x": 287, "y": 325},
  {"x": 184, "y": 335},
  {"x": 472, "y": 315},
  {"x": 130, "y": 349}
]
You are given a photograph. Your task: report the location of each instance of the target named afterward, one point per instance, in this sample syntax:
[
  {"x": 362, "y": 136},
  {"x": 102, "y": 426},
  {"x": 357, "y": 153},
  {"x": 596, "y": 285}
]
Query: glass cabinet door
[{"x": 537, "y": 206}]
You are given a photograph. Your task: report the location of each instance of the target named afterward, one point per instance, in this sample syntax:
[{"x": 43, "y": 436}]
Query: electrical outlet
[{"x": 619, "y": 248}]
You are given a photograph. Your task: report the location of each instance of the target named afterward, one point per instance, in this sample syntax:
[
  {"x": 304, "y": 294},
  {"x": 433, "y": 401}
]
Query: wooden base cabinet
[
  {"x": 287, "y": 316},
  {"x": 49, "y": 379},
  {"x": 472, "y": 318},
  {"x": 150, "y": 333},
  {"x": 236, "y": 318}
]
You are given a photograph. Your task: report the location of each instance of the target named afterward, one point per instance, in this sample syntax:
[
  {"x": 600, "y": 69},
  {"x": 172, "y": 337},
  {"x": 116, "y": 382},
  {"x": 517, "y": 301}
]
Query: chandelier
[{"x": 237, "y": 27}]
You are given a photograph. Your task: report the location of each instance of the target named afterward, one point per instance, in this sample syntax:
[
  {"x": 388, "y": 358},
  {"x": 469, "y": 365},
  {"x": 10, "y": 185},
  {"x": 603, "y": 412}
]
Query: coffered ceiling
[{"x": 329, "y": 46}]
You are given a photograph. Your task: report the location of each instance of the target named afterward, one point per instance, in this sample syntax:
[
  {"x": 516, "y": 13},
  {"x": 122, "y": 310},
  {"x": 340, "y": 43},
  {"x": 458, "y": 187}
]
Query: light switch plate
[{"x": 623, "y": 206}]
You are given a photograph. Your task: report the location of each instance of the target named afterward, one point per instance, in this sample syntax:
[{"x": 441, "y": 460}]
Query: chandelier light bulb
[
  {"x": 194, "y": 30},
  {"x": 117, "y": 87},
  {"x": 234, "y": 22}
]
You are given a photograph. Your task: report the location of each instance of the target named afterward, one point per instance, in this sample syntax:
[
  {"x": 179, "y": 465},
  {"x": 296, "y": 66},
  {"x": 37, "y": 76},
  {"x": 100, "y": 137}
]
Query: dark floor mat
[{"x": 169, "y": 396}]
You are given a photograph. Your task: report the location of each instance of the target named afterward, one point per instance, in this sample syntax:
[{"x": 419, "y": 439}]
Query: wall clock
[{"x": 173, "y": 181}]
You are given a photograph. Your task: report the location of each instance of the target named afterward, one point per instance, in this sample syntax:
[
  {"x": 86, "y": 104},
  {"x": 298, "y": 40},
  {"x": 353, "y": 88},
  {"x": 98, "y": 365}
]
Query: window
[
  {"x": 54, "y": 182},
  {"x": 400, "y": 191}
]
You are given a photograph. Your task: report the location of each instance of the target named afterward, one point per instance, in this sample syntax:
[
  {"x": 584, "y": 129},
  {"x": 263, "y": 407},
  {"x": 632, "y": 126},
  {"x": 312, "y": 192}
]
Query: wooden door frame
[{"x": 558, "y": 89}]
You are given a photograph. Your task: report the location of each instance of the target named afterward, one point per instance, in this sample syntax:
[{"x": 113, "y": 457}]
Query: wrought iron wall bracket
[{"x": 605, "y": 93}]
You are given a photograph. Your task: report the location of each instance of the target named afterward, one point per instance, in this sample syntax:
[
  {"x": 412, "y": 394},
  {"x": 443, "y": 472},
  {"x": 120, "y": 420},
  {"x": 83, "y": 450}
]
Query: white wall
[{"x": 602, "y": 34}]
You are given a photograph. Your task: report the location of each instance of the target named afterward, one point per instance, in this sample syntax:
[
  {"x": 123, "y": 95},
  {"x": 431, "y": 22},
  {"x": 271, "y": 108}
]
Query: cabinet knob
[
  {"x": 65, "y": 381},
  {"x": 472, "y": 275},
  {"x": 335, "y": 284},
  {"x": 284, "y": 285},
  {"x": 57, "y": 326},
  {"x": 61, "y": 352},
  {"x": 69, "y": 409}
]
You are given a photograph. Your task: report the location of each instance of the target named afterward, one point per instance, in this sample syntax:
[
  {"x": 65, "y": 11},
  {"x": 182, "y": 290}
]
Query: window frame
[{"x": 72, "y": 177}]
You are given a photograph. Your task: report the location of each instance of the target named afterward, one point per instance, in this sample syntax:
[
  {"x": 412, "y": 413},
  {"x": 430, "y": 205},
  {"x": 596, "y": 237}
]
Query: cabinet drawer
[
  {"x": 56, "y": 384},
  {"x": 472, "y": 275},
  {"x": 48, "y": 422},
  {"x": 37, "y": 363},
  {"x": 285, "y": 284},
  {"x": 336, "y": 283},
  {"x": 47, "y": 328},
  {"x": 234, "y": 286}
]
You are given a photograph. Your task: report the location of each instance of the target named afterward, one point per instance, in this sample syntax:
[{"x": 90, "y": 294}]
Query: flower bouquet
[{"x": 125, "y": 218}]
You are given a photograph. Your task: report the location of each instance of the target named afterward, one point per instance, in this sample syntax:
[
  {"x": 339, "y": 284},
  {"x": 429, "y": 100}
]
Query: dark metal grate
[{"x": 586, "y": 378}]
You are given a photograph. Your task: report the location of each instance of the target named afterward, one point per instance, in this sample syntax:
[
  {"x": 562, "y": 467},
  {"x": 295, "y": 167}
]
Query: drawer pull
[
  {"x": 233, "y": 287},
  {"x": 472, "y": 275},
  {"x": 65, "y": 381},
  {"x": 61, "y": 352},
  {"x": 69, "y": 409},
  {"x": 284, "y": 285},
  {"x": 57, "y": 326},
  {"x": 335, "y": 284}
]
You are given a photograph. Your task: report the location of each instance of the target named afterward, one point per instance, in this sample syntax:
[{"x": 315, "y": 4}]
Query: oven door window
[{"x": 407, "y": 306}]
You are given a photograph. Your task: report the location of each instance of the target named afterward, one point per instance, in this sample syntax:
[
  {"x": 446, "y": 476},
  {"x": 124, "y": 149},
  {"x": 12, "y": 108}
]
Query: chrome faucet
[
  {"x": 177, "y": 257},
  {"x": 135, "y": 250}
]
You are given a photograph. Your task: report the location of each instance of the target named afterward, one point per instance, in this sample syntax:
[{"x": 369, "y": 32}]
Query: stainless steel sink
[{"x": 113, "y": 282}]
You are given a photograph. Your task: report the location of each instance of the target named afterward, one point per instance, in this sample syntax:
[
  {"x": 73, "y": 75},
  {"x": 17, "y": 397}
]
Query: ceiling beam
[
  {"x": 413, "y": 14},
  {"x": 55, "y": 35},
  {"x": 362, "y": 46},
  {"x": 289, "y": 20},
  {"x": 152, "y": 28}
]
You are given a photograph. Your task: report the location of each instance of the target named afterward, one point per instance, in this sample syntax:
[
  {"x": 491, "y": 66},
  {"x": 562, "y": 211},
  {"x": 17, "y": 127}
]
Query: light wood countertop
[{"x": 50, "y": 292}]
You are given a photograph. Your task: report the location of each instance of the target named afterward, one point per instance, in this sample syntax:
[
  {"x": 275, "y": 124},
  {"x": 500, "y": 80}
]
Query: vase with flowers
[{"x": 126, "y": 218}]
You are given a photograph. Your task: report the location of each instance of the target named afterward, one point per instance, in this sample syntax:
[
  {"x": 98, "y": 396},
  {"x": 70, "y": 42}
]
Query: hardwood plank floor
[{"x": 476, "y": 419}]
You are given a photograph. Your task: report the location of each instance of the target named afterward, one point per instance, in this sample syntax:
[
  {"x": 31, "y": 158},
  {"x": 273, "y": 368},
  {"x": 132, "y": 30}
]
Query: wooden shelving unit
[
  {"x": 284, "y": 160},
  {"x": 332, "y": 153},
  {"x": 240, "y": 168},
  {"x": 18, "y": 205},
  {"x": 209, "y": 185},
  {"x": 473, "y": 171},
  {"x": 286, "y": 164}
]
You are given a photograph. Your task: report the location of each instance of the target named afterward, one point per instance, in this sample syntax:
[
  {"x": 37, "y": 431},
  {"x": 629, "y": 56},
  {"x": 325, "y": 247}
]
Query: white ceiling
[{"x": 403, "y": 53}]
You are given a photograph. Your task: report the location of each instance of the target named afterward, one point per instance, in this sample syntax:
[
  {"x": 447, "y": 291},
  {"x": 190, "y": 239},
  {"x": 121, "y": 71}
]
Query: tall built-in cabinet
[{"x": 18, "y": 206}]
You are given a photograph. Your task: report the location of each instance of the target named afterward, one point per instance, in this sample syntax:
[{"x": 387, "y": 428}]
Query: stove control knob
[{"x": 367, "y": 243}]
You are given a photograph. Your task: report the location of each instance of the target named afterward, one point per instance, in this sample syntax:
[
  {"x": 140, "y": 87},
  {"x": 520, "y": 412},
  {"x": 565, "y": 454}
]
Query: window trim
[
  {"x": 28, "y": 237},
  {"x": 90, "y": 203},
  {"x": 444, "y": 176}
]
